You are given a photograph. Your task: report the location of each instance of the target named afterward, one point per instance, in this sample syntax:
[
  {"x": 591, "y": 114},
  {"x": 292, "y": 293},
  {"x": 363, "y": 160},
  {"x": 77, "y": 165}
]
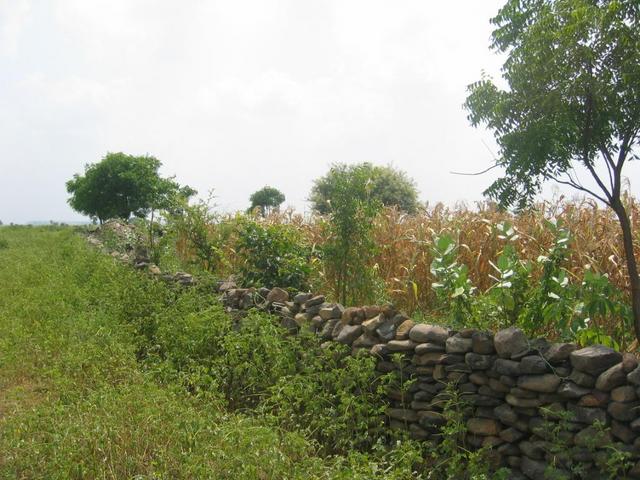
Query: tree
[
  {"x": 572, "y": 98},
  {"x": 267, "y": 198},
  {"x": 387, "y": 185},
  {"x": 348, "y": 250},
  {"x": 121, "y": 185}
]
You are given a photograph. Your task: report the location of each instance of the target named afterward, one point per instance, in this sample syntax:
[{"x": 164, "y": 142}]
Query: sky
[{"x": 236, "y": 95}]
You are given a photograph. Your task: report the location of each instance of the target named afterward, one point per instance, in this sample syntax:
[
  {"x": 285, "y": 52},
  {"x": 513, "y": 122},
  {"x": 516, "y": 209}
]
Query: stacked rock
[{"x": 532, "y": 403}]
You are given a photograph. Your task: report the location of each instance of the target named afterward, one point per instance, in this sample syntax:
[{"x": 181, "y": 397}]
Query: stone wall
[{"x": 534, "y": 403}]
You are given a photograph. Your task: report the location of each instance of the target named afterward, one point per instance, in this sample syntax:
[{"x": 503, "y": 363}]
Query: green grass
[{"x": 75, "y": 402}]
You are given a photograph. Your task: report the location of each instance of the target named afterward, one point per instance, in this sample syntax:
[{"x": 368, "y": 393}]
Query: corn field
[{"x": 403, "y": 256}]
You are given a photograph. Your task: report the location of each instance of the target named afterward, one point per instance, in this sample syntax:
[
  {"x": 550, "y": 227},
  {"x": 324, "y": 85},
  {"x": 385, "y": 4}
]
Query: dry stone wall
[{"x": 534, "y": 404}]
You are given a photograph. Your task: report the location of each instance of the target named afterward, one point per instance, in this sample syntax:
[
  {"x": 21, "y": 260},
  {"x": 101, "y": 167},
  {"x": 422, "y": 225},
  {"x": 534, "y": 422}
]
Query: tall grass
[
  {"x": 75, "y": 402},
  {"x": 403, "y": 257}
]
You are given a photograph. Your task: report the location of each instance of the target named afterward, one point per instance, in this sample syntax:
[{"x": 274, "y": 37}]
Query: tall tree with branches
[{"x": 572, "y": 98}]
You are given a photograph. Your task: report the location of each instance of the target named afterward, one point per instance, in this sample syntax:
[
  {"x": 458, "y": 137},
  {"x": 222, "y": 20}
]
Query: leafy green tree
[
  {"x": 267, "y": 199},
  {"x": 386, "y": 185},
  {"x": 123, "y": 185},
  {"x": 571, "y": 98},
  {"x": 349, "y": 249}
]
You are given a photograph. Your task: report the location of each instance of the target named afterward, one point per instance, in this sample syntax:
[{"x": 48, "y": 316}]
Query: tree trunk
[{"x": 632, "y": 266}]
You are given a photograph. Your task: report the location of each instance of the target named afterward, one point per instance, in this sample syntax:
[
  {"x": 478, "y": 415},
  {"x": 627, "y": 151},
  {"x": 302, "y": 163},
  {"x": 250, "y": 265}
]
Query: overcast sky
[{"x": 234, "y": 95}]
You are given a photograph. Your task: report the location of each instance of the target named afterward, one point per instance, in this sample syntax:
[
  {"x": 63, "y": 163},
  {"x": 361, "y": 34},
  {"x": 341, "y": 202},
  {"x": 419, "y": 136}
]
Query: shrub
[
  {"x": 348, "y": 251},
  {"x": 272, "y": 255},
  {"x": 338, "y": 399}
]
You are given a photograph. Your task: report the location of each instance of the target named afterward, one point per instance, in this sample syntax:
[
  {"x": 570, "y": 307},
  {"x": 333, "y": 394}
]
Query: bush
[
  {"x": 273, "y": 255},
  {"x": 349, "y": 249},
  {"x": 338, "y": 399}
]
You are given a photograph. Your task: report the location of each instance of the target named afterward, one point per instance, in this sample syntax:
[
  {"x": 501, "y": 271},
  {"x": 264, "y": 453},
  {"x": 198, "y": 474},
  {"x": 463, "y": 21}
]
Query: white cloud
[
  {"x": 14, "y": 15},
  {"x": 234, "y": 95}
]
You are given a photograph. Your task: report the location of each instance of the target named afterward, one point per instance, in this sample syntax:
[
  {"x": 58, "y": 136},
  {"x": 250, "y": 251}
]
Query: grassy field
[{"x": 76, "y": 403}]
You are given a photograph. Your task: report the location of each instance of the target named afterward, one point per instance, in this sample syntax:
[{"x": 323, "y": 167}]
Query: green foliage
[
  {"x": 451, "y": 457},
  {"x": 95, "y": 358},
  {"x": 551, "y": 303},
  {"x": 3, "y": 243},
  {"x": 508, "y": 295},
  {"x": 266, "y": 199},
  {"x": 454, "y": 289},
  {"x": 558, "y": 432},
  {"x": 272, "y": 255},
  {"x": 195, "y": 224},
  {"x": 386, "y": 185},
  {"x": 573, "y": 76},
  {"x": 121, "y": 185},
  {"x": 336, "y": 397},
  {"x": 572, "y": 72},
  {"x": 348, "y": 251}
]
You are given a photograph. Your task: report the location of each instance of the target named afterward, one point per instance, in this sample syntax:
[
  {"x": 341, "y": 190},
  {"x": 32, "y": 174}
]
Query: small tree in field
[
  {"x": 123, "y": 185},
  {"x": 267, "y": 199},
  {"x": 385, "y": 185},
  {"x": 572, "y": 98}
]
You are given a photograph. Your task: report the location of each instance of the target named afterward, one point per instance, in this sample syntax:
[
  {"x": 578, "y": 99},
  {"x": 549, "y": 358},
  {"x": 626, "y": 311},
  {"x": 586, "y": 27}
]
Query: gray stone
[
  {"x": 623, "y": 412},
  {"x": 371, "y": 311},
  {"x": 373, "y": 323},
  {"x": 533, "y": 450},
  {"x": 349, "y": 333},
  {"x": 510, "y": 342},
  {"x": 479, "y": 378},
  {"x": 458, "y": 344},
  {"x": 570, "y": 390},
  {"x": 483, "y": 426},
  {"x": 428, "y": 348},
  {"x": 507, "y": 367},
  {"x": 587, "y": 415},
  {"x": 423, "y": 333},
  {"x": 277, "y": 295},
  {"x": 533, "y": 469},
  {"x": 498, "y": 386},
  {"x": 366, "y": 340},
  {"x": 379, "y": 350},
  {"x": 611, "y": 378},
  {"x": 426, "y": 359},
  {"x": 328, "y": 327},
  {"x": 634, "y": 376},
  {"x": 594, "y": 399},
  {"x": 594, "y": 359},
  {"x": 629, "y": 362},
  {"x": 511, "y": 435},
  {"x": 479, "y": 362},
  {"x": 317, "y": 300},
  {"x": 559, "y": 352},
  {"x": 523, "y": 393},
  {"x": 623, "y": 394},
  {"x": 622, "y": 432},
  {"x": 331, "y": 312},
  {"x": 353, "y": 316},
  {"x": 402, "y": 414},
  {"x": 302, "y": 297},
  {"x": 387, "y": 331},
  {"x": 505, "y": 414},
  {"x": 431, "y": 419},
  {"x": 402, "y": 332},
  {"x": 401, "y": 345},
  {"x": 482, "y": 343},
  {"x": 592, "y": 437},
  {"x": 523, "y": 402},
  {"x": 582, "y": 379},
  {"x": 533, "y": 364}
]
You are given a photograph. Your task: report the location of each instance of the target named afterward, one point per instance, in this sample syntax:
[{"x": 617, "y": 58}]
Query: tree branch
[
  {"x": 476, "y": 173},
  {"x": 577, "y": 186}
]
